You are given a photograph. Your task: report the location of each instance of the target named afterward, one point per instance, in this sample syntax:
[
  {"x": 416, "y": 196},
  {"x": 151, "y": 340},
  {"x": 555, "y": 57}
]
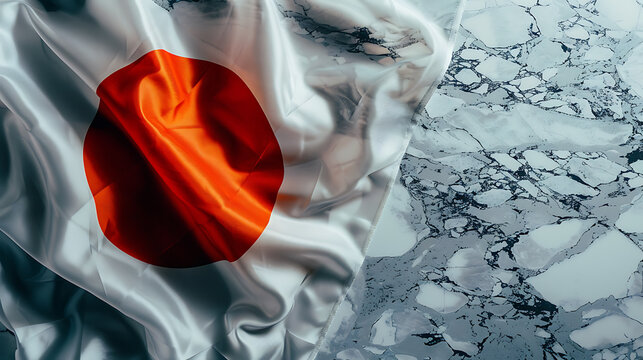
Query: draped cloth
[{"x": 197, "y": 180}]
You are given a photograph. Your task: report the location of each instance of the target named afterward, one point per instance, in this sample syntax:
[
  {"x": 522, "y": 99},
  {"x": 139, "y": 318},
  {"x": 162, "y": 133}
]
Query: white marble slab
[{"x": 525, "y": 192}]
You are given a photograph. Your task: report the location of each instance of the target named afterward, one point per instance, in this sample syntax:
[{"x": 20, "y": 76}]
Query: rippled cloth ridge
[{"x": 339, "y": 83}]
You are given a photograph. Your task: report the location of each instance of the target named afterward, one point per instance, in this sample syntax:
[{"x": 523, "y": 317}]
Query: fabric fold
[{"x": 335, "y": 88}]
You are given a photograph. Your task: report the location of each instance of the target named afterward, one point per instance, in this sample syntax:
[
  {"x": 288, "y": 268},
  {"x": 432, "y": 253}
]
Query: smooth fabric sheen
[
  {"x": 338, "y": 83},
  {"x": 182, "y": 162}
]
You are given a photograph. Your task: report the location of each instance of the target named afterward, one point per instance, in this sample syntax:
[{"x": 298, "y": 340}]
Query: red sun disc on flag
[{"x": 182, "y": 162}]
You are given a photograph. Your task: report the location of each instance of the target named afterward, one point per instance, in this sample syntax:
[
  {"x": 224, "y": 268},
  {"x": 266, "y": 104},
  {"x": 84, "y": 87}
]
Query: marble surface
[{"x": 516, "y": 227}]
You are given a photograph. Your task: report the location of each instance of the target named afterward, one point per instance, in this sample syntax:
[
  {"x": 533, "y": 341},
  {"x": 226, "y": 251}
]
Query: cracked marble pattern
[{"x": 516, "y": 227}]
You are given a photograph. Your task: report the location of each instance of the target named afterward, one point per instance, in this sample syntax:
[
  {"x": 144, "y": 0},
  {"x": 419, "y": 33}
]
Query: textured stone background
[{"x": 517, "y": 222}]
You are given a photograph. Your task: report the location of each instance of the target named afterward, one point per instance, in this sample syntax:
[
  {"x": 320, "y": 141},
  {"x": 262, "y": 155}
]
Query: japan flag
[{"x": 210, "y": 170}]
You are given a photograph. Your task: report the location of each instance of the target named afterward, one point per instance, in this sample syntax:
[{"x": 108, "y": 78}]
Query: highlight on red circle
[{"x": 182, "y": 162}]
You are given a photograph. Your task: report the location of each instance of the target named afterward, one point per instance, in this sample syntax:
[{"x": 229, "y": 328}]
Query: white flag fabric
[{"x": 210, "y": 170}]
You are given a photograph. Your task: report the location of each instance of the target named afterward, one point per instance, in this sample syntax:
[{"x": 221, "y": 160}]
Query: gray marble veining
[{"x": 516, "y": 227}]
